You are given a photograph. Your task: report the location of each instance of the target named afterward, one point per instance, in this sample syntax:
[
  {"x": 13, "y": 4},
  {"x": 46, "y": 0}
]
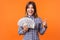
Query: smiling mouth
[{"x": 30, "y": 11}]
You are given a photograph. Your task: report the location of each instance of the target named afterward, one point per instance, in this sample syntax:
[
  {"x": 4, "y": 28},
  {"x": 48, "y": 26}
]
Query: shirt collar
[{"x": 30, "y": 16}]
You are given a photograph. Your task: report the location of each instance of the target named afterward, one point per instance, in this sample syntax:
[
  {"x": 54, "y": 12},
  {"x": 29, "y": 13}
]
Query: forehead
[{"x": 30, "y": 5}]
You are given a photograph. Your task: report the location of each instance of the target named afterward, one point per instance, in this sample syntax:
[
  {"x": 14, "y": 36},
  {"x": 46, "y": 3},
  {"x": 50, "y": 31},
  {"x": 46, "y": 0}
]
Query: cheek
[
  {"x": 30, "y": 10},
  {"x": 27, "y": 10}
]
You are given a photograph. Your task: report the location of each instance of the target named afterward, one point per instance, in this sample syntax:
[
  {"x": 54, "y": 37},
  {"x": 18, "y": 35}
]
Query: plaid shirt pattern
[{"x": 32, "y": 34}]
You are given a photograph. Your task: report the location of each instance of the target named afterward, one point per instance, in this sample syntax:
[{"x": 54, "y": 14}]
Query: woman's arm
[
  {"x": 20, "y": 30},
  {"x": 42, "y": 28}
]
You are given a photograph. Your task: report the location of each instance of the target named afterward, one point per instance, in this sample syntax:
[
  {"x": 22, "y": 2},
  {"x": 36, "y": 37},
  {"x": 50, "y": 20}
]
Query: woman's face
[{"x": 30, "y": 10}]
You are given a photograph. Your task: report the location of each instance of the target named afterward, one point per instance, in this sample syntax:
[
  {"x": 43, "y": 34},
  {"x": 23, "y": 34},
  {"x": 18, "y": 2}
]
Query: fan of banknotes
[{"x": 26, "y": 21}]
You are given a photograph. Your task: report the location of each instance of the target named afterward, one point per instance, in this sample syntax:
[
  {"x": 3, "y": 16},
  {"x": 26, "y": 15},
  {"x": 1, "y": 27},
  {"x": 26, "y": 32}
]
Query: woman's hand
[
  {"x": 45, "y": 23},
  {"x": 25, "y": 28}
]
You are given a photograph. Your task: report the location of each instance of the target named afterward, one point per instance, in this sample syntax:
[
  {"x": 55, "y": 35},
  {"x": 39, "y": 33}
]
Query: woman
[{"x": 32, "y": 34}]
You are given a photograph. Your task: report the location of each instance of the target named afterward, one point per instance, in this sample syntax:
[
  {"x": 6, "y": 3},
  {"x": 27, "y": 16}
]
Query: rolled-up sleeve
[
  {"x": 20, "y": 30},
  {"x": 41, "y": 28}
]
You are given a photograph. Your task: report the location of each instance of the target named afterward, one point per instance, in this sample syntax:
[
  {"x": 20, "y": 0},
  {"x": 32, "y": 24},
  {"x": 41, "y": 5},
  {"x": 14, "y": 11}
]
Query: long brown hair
[{"x": 34, "y": 6}]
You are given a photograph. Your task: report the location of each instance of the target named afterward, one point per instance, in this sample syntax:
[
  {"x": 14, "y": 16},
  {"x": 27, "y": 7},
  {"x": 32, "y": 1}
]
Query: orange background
[{"x": 12, "y": 10}]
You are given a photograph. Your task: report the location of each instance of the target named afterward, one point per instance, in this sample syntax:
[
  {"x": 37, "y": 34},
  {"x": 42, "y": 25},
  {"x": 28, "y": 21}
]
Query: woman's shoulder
[{"x": 39, "y": 19}]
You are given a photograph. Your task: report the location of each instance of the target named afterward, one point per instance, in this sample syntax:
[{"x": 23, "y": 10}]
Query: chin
[{"x": 30, "y": 14}]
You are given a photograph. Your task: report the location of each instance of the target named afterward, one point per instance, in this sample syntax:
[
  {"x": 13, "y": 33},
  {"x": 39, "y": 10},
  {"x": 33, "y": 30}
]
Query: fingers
[
  {"x": 25, "y": 28},
  {"x": 45, "y": 23}
]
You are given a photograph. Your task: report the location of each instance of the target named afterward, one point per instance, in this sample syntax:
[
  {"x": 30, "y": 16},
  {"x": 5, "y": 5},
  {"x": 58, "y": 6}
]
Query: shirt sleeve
[
  {"x": 20, "y": 30},
  {"x": 40, "y": 27}
]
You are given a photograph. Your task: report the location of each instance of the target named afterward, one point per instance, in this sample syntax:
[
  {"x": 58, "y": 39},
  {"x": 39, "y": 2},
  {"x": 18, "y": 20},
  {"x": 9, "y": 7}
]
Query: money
[{"x": 26, "y": 21}]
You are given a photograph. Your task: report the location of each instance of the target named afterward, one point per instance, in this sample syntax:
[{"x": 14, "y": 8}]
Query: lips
[{"x": 30, "y": 11}]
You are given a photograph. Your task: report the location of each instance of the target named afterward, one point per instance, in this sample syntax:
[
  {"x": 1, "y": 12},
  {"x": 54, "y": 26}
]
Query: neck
[{"x": 30, "y": 16}]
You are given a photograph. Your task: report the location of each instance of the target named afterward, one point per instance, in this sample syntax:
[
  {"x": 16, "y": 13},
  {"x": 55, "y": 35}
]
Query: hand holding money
[
  {"x": 25, "y": 28},
  {"x": 26, "y": 22}
]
